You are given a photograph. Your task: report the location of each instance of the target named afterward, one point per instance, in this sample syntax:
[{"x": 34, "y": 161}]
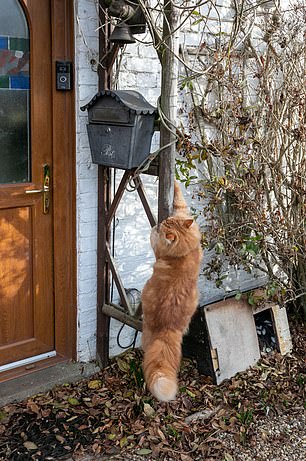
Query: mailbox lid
[
  {"x": 106, "y": 111},
  {"x": 118, "y": 107}
]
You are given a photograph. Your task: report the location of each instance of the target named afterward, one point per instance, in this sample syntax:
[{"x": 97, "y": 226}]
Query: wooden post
[
  {"x": 170, "y": 49},
  {"x": 103, "y": 279},
  {"x": 104, "y": 197}
]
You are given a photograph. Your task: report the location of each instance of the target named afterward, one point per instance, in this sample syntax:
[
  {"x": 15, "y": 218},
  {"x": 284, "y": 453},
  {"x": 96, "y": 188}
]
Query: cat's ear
[
  {"x": 187, "y": 223},
  {"x": 170, "y": 237}
]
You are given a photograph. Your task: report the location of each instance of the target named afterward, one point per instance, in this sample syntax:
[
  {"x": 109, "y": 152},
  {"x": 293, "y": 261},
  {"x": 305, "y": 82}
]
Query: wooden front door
[{"x": 27, "y": 325}]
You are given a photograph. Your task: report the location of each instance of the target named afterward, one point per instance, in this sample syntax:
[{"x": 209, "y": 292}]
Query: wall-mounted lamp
[{"x": 131, "y": 20}]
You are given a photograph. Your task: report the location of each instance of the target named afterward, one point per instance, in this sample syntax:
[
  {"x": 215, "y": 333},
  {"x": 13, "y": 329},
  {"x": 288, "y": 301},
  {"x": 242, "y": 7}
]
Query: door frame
[
  {"x": 64, "y": 185},
  {"x": 63, "y": 195}
]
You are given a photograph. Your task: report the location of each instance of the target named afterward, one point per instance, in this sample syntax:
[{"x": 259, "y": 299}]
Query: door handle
[
  {"x": 35, "y": 191},
  {"x": 45, "y": 190}
]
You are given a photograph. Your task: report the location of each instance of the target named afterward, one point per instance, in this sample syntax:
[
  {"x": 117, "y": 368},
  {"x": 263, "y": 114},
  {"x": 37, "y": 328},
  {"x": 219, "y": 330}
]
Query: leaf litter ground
[{"x": 253, "y": 416}]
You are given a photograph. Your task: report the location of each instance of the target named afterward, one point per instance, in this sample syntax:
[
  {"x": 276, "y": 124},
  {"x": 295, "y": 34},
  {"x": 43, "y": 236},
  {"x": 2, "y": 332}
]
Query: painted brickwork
[
  {"x": 86, "y": 87},
  {"x": 139, "y": 71}
]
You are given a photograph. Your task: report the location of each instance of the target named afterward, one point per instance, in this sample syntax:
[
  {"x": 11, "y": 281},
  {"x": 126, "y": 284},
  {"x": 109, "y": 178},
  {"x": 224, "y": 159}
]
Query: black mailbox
[{"x": 120, "y": 128}]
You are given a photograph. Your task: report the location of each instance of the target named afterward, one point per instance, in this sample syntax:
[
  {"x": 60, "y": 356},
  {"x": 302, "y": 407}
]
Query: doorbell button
[{"x": 63, "y": 75}]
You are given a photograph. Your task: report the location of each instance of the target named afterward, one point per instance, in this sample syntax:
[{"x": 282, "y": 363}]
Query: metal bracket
[{"x": 215, "y": 359}]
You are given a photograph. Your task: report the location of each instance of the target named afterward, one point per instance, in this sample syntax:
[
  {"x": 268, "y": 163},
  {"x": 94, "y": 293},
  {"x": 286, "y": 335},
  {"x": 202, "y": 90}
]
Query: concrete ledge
[{"x": 40, "y": 381}]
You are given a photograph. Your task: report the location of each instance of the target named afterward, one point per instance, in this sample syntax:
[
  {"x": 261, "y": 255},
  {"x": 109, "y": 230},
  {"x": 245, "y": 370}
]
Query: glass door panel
[{"x": 15, "y": 161}]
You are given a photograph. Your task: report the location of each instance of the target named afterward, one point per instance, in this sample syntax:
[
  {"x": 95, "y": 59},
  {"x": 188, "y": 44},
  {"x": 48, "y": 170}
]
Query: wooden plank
[
  {"x": 169, "y": 63},
  {"x": 280, "y": 324},
  {"x": 115, "y": 311},
  {"x": 282, "y": 330},
  {"x": 233, "y": 337},
  {"x": 166, "y": 182},
  {"x": 143, "y": 197},
  {"x": 102, "y": 334}
]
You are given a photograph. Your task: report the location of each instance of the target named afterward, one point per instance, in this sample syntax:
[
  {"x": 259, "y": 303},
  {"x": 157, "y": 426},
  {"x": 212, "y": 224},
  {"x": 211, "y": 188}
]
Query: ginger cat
[{"x": 170, "y": 297}]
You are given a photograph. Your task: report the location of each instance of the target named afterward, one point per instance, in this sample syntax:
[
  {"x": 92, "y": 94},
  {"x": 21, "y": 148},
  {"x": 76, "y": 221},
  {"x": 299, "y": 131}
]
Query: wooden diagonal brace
[
  {"x": 117, "y": 312},
  {"x": 118, "y": 196},
  {"x": 118, "y": 281},
  {"x": 144, "y": 201}
]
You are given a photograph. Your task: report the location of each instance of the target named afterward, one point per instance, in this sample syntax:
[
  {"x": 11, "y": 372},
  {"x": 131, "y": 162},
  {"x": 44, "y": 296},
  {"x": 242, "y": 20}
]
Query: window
[{"x": 14, "y": 94}]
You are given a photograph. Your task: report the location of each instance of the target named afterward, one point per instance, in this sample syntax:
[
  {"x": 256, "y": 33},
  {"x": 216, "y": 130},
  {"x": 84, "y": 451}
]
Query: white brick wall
[
  {"x": 140, "y": 70},
  {"x": 86, "y": 87}
]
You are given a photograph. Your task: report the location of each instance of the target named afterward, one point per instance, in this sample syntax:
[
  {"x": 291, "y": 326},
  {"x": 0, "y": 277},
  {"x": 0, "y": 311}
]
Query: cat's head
[{"x": 175, "y": 237}]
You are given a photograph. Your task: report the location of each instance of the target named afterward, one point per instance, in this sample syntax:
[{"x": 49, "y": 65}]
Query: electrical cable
[{"x": 132, "y": 344}]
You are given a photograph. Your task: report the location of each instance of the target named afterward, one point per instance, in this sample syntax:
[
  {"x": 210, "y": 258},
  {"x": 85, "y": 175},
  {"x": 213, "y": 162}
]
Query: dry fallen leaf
[
  {"x": 73, "y": 401},
  {"x": 97, "y": 418},
  {"x": 148, "y": 410},
  {"x": 95, "y": 384},
  {"x": 60, "y": 438},
  {"x": 185, "y": 457},
  {"x": 30, "y": 445},
  {"x": 144, "y": 451}
]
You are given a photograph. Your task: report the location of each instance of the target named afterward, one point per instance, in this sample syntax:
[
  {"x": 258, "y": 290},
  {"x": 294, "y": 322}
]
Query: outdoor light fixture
[{"x": 131, "y": 20}]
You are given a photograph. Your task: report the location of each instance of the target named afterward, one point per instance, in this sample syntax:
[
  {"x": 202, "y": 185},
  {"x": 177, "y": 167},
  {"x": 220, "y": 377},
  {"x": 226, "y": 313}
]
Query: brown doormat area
[{"x": 257, "y": 415}]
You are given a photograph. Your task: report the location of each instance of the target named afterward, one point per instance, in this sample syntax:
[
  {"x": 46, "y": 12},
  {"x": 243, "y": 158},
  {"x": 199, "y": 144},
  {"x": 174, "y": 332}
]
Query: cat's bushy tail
[
  {"x": 179, "y": 205},
  {"x": 161, "y": 362}
]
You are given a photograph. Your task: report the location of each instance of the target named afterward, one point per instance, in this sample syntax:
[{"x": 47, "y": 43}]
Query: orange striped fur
[{"x": 170, "y": 297}]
